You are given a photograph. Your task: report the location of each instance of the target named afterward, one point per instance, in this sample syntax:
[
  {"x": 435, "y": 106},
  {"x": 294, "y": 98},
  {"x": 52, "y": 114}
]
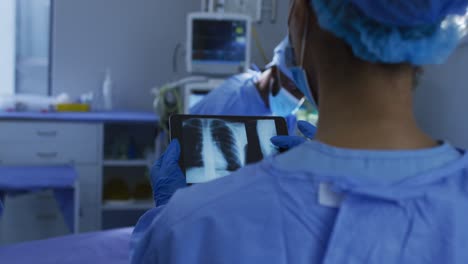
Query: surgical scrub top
[
  {"x": 318, "y": 204},
  {"x": 237, "y": 95}
]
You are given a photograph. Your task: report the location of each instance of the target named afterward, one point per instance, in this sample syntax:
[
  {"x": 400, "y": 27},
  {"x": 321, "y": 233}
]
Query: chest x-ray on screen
[{"x": 213, "y": 148}]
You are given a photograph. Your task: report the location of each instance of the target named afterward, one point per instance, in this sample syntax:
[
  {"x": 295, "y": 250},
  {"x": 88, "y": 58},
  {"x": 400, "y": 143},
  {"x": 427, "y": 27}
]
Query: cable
[{"x": 259, "y": 46}]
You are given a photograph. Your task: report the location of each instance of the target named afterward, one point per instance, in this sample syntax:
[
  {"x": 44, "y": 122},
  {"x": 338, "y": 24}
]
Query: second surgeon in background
[{"x": 253, "y": 93}]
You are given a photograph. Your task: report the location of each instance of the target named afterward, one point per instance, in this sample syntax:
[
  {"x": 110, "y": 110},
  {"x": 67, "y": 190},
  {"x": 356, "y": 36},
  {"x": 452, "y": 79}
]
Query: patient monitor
[{"x": 218, "y": 43}]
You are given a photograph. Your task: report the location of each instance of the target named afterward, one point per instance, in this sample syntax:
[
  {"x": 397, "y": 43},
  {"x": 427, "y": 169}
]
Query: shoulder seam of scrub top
[
  {"x": 417, "y": 179},
  {"x": 377, "y": 154},
  {"x": 212, "y": 200}
]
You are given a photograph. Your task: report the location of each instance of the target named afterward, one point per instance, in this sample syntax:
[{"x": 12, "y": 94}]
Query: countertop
[{"x": 101, "y": 117}]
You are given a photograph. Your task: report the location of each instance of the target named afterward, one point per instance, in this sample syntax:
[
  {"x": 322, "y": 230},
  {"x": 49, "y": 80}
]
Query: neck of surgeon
[{"x": 365, "y": 105}]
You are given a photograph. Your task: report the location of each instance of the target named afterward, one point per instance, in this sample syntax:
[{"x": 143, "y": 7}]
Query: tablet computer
[{"x": 215, "y": 146}]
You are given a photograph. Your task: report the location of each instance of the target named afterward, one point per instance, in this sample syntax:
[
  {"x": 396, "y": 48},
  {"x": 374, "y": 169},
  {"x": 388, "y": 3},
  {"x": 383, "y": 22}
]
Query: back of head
[
  {"x": 415, "y": 32},
  {"x": 391, "y": 35},
  {"x": 361, "y": 58}
]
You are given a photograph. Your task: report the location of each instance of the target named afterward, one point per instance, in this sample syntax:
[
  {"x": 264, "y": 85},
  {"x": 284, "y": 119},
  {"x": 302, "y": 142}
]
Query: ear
[{"x": 274, "y": 81}]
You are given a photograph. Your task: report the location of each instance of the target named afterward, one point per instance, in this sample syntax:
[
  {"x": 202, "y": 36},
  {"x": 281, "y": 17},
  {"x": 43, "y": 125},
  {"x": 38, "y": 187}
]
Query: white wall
[
  {"x": 441, "y": 101},
  {"x": 270, "y": 34},
  {"x": 135, "y": 38},
  {"x": 7, "y": 46}
]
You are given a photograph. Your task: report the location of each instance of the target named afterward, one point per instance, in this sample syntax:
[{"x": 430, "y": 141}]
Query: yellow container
[{"x": 72, "y": 108}]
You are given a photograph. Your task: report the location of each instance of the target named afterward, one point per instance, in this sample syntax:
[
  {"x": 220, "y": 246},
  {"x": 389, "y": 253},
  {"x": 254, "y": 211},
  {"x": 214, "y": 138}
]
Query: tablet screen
[{"x": 215, "y": 147}]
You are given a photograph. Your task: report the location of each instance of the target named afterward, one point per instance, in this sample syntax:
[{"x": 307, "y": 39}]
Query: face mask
[
  {"x": 298, "y": 72},
  {"x": 300, "y": 79},
  {"x": 284, "y": 103}
]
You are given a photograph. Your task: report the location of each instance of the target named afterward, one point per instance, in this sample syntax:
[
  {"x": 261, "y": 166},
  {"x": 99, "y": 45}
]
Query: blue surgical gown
[
  {"x": 237, "y": 95},
  {"x": 397, "y": 207}
]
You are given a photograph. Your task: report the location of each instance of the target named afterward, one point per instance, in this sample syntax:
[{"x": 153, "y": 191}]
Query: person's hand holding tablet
[{"x": 167, "y": 175}]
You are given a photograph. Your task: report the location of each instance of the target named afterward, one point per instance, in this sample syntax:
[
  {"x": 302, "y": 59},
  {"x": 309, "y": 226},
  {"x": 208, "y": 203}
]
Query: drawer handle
[
  {"x": 47, "y": 155},
  {"x": 46, "y": 216},
  {"x": 44, "y": 195},
  {"x": 46, "y": 133}
]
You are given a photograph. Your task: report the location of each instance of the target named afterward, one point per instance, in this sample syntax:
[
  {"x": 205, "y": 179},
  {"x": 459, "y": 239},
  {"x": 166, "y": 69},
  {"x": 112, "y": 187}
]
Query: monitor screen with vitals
[{"x": 218, "y": 43}]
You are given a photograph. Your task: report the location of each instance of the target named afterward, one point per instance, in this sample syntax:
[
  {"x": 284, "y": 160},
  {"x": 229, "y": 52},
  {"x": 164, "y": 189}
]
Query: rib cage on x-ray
[
  {"x": 216, "y": 148},
  {"x": 192, "y": 153},
  {"x": 226, "y": 140},
  {"x": 266, "y": 130}
]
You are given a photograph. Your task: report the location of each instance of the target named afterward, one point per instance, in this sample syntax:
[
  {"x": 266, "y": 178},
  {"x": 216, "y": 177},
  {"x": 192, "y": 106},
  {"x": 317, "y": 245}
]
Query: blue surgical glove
[
  {"x": 288, "y": 142},
  {"x": 291, "y": 121},
  {"x": 166, "y": 175}
]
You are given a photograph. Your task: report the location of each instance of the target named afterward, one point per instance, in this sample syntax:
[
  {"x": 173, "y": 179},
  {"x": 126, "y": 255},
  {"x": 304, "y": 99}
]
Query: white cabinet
[
  {"x": 31, "y": 216},
  {"x": 22, "y": 131},
  {"x": 37, "y": 143},
  {"x": 94, "y": 150},
  {"x": 90, "y": 197},
  {"x": 44, "y": 153},
  {"x": 31, "y": 143}
]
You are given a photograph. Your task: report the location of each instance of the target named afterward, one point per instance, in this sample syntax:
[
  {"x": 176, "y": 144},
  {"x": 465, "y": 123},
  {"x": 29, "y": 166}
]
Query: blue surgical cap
[
  {"x": 410, "y": 12},
  {"x": 396, "y": 31},
  {"x": 279, "y": 58}
]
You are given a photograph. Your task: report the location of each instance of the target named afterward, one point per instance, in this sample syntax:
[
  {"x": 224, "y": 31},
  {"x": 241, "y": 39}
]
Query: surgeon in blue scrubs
[
  {"x": 255, "y": 93},
  {"x": 372, "y": 187}
]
